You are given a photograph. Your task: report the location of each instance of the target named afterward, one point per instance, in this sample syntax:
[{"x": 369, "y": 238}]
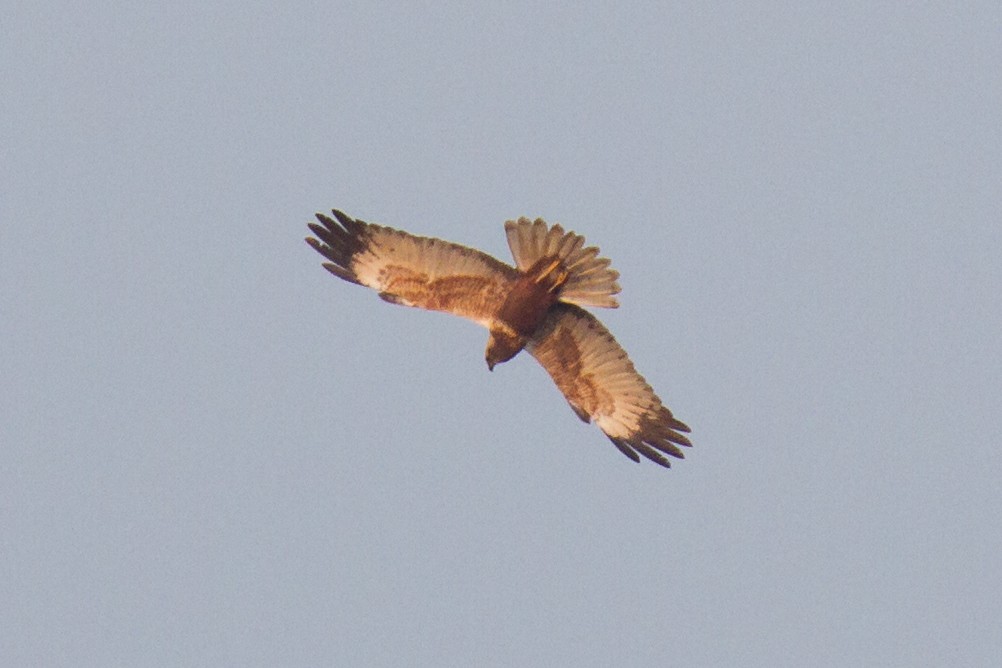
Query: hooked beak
[{"x": 490, "y": 365}]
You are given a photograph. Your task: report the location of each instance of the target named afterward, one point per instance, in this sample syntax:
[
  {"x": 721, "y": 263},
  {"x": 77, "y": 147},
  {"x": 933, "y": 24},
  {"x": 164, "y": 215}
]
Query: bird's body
[
  {"x": 524, "y": 309},
  {"x": 535, "y": 305}
]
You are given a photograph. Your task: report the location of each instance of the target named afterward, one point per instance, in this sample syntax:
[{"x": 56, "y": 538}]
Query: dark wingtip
[
  {"x": 625, "y": 449},
  {"x": 338, "y": 241},
  {"x": 680, "y": 439},
  {"x": 652, "y": 454},
  {"x": 340, "y": 272},
  {"x": 655, "y": 437},
  {"x": 342, "y": 216}
]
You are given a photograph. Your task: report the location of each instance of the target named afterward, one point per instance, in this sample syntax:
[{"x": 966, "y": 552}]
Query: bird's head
[{"x": 502, "y": 345}]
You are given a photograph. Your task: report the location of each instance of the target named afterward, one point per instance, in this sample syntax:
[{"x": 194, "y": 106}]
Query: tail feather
[
  {"x": 598, "y": 268},
  {"x": 571, "y": 245},
  {"x": 591, "y": 282}
]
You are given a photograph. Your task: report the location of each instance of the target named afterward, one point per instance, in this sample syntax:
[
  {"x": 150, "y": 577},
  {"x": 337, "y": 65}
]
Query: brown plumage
[{"x": 535, "y": 306}]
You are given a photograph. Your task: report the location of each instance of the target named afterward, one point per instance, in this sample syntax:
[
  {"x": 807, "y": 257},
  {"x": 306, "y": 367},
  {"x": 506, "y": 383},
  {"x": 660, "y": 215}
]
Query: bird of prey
[{"x": 535, "y": 305}]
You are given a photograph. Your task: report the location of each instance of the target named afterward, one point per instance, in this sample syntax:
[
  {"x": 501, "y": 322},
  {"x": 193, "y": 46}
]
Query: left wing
[
  {"x": 414, "y": 271},
  {"x": 601, "y": 384}
]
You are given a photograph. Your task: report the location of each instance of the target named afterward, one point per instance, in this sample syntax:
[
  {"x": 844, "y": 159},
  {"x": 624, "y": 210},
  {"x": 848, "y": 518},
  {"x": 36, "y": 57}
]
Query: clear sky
[{"x": 214, "y": 453}]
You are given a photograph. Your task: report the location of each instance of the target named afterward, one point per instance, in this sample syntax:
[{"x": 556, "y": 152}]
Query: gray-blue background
[{"x": 213, "y": 453}]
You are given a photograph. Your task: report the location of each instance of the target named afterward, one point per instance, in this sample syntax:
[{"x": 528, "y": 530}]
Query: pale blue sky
[{"x": 214, "y": 453}]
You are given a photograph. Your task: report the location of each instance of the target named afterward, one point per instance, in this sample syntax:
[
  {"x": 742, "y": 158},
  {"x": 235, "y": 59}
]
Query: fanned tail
[{"x": 591, "y": 282}]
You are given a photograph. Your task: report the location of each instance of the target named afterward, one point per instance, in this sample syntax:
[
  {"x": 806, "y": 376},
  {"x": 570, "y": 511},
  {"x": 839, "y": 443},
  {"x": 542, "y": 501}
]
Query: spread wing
[
  {"x": 601, "y": 384},
  {"x": 411, "y": 270}
]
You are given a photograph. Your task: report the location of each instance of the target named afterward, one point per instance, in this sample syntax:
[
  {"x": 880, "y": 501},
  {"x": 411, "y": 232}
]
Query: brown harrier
[{"x": 535, "y": 305}]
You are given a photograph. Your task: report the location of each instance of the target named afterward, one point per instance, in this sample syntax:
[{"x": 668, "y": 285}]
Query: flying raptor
[{"x": 535, "y": 305}]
